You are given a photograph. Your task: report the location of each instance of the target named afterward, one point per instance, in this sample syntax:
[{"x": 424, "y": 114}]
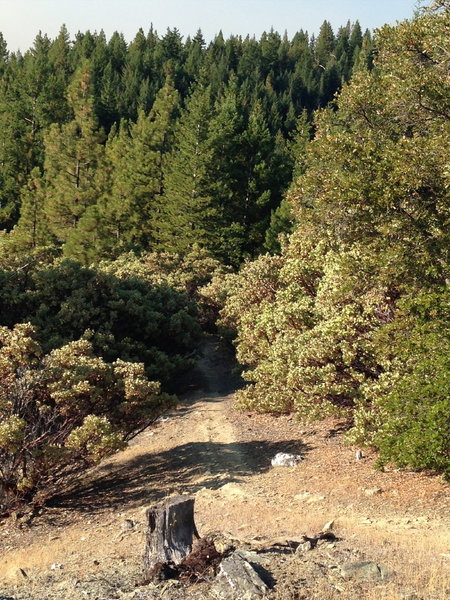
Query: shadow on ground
[{"x": 184, "y": 469}]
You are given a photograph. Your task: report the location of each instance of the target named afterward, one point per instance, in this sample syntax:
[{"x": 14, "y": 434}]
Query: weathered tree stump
[{"x": 170, "y": 534}]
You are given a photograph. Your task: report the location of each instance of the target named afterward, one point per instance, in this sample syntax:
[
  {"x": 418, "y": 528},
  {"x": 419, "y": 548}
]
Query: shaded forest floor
[{"x": 88, "y": 542}]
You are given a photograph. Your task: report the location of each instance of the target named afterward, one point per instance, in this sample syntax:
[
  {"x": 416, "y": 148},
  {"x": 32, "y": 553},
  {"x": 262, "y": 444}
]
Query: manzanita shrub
[
  {"x": 348, "y": 319},
  {"x": 64, "y": 410}
]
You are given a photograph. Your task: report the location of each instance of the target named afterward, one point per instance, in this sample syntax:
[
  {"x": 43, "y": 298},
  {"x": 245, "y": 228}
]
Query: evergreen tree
[
  {"x": 139, "y": 178},
  {"x": 188, "y": 214},
  {"x": 31, "y": 231},
  {"x": 72, "y": 155}
]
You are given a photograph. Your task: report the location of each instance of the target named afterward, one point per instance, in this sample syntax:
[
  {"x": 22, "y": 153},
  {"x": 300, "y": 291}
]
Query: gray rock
[
  {"x": 238, "y": 580},
  {"x": 304, "y": 547},
  {"x": 328, "y": 526},
  {"x": 364, "y": 570},
  {"x": 128, "y": 524},
  {"x": 252, "y": 557}
]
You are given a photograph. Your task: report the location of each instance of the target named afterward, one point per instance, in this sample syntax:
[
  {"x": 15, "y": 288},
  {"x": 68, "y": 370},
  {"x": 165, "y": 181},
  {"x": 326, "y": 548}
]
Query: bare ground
[{"x": 93, "y": 534}]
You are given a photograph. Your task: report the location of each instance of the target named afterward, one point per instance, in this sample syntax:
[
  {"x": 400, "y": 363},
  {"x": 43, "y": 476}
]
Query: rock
[
  {"x": 328, "y": 526},
  {"x": 128, "y": 524},
  {"x": 372, "y": 491},
  {"x": 308, "y": 497},
  {"x": 56, "y": 566},
  {"x": 282, "y": 459},
  {"x": 358, "y": 455},
  {"x": 364, "y": 570},
  {"x": 304, "y": 547},
  {"x": 313, "y": 499},
  {"x": 162, "y": 419},
  {"x": 238, "y": 580},
  {"x": 252, "y": 557},
  {"x": 302, "y": 496}
]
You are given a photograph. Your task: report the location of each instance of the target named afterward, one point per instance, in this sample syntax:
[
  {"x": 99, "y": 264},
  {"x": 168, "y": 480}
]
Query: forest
[{"x": 290, "y": 194}]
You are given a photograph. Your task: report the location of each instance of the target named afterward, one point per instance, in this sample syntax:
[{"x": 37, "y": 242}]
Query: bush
[
  {"x": 406, "y": 413},
  {"x": 64, "y": 410},
  {"x": 127, "y": 317},
  {"x": 187, "y": 274}
]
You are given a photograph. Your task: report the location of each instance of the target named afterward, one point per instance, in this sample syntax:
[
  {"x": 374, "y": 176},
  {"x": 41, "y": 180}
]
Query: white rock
[
  {"x": 282, "y": 459},
  {"x": 56, "y": 566},
  {"x": 328, "y": 526},
  {"x": 162, "y": 419},
  {"x": 302, "y": 496},
  {"x": 373, "y": 491}
]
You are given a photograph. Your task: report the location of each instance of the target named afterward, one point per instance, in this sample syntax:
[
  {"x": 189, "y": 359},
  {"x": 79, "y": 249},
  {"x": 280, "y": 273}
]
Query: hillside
[{"x": 93, "y": 535}]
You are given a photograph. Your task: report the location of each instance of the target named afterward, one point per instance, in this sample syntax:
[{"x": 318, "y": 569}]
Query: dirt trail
[{"x": 206, "y": 448}]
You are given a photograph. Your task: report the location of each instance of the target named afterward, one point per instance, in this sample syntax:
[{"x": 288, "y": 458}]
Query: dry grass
[{"x": 418, "y": 560}]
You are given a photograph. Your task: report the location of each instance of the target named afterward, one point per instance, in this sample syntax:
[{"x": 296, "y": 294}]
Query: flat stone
[
  {"x": 304, "y": 547},
  {"x": 252, "y": 557},
  {"x": 238, "y": 580},
  {"x": 364, "y": 570},
  {"x": 328, "y": 526},
  {"x": 373, "y": 491}
]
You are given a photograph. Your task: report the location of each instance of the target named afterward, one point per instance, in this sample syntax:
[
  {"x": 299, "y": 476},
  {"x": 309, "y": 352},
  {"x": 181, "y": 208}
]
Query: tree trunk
[{"x": 170, "y": 534}]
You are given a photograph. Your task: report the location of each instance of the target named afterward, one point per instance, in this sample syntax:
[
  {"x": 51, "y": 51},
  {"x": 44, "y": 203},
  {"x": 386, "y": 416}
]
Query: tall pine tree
[{"x": 72, "y": 155}]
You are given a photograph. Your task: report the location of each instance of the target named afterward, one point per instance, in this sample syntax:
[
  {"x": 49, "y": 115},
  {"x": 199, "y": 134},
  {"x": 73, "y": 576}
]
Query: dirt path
[{"x": 204, "y": 447}]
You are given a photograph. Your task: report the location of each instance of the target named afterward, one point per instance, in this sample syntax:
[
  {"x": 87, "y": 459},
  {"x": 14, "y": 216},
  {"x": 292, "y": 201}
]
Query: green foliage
[
  {"x": 281, "y": 223},
  {"x": 127, "y": 216},
  {"x": 124, "y": 316},
  {"x": 370, "y": 206},
  {"x": 96, "y": 201},
  {"x": 185, "y": 274},
  {"x": 187, "y": 212},
  {"x": 63, "y": 411},
  {"x": 72, "y": 155},
  {"x": 406, "y": 412}
]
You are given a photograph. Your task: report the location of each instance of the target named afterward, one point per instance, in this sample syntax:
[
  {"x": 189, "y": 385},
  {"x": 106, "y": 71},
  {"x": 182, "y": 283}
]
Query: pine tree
[
  {"x": 3, "y": 54},
  {"x": 127, "y": 215},
  {"x": 256, "y": 150},
  {"x": 31, "y": 231},
  {"x": 72, "y": 155},
  {"x": 188, "y": 214},
  {"x": 151, "y": 141},
  {"x": 225, "y": 134}
]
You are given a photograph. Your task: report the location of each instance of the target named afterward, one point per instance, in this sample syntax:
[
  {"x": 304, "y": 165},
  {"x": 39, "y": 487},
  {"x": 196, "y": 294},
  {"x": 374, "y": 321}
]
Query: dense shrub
[
  {"x": 126, "y": 317},
  {"x": 188, "y": 274},
  {"x": 371, "y": 209},
  {"x": 406, "y": 412},
  {"x": 64, "y": 410}
]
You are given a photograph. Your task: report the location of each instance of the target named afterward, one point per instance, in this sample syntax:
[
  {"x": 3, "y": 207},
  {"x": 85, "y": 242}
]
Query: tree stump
[{"x": 170, "y": 534}]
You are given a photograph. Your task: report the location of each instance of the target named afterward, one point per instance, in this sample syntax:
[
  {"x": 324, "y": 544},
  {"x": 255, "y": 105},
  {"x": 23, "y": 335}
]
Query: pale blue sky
[{"x": 20, "y": 20}]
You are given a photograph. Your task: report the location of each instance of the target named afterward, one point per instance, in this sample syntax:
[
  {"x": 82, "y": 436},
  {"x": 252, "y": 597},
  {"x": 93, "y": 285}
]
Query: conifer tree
[
  {"x": 225, "y": 136},
  {"x": 31, "y": 231},
  {"x": 72, "y": 155},
  {"x": 188, "y": 214},
  {"x": 255, "y": 200},
  {"x": 150, "y": 142}
]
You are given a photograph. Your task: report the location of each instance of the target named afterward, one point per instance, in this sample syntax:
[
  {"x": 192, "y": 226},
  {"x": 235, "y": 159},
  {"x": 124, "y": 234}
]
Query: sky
[{"x": 21, "y": 20}]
